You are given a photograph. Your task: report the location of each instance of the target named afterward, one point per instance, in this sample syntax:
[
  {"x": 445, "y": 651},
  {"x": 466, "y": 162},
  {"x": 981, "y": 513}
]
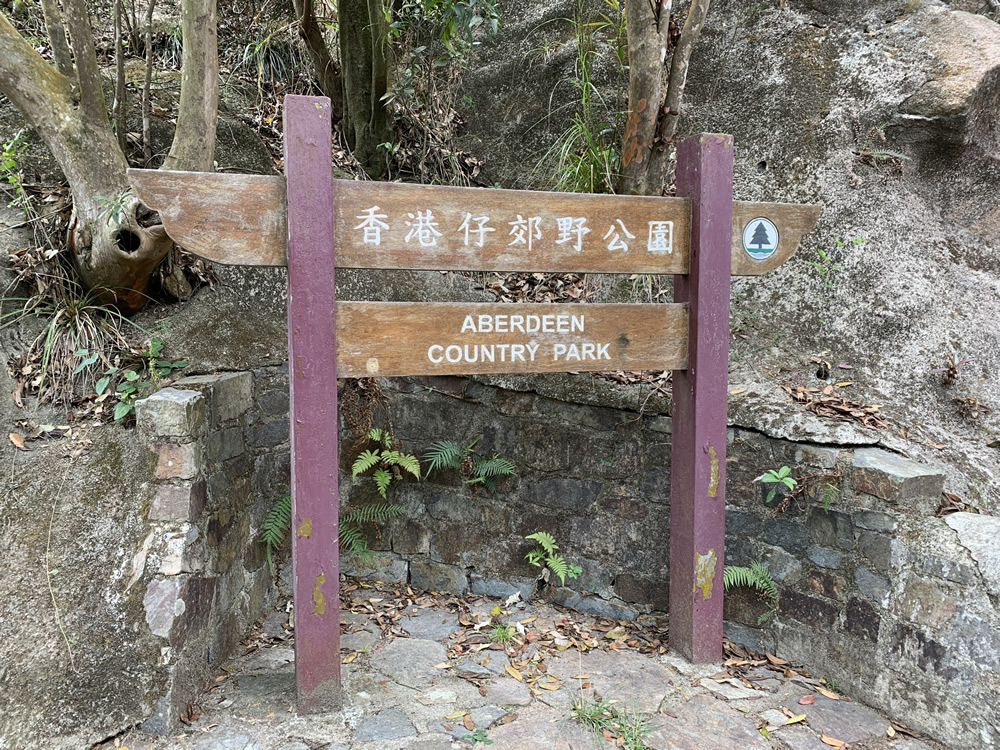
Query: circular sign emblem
[{"x": 760, "y": 238}]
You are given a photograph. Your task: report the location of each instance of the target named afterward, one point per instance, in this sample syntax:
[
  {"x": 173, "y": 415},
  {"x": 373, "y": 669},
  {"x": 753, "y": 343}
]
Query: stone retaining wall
[{"x": 221, "y": 459}]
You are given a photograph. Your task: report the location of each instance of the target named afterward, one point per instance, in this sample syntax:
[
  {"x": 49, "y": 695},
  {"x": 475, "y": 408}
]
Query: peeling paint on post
[
  {"x": 312, "y": 349},
  {"x": 698, "y": 460}
]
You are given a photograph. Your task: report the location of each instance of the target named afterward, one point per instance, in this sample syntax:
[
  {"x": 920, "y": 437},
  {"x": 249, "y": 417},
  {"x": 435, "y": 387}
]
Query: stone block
[
  {"x": 181, "y": 553},
  {"x": 742, "y": 524},
  {"x": 411, "y": 538},
  {"x": 783, "y": 566},
  {"x": 172, "y": 413},
  {"x": 268, "y": 434},
  {"x": 825, "y": 557},
  {"x": 976, "y": 639},
  {"x": 514, "y": 402},
  {"x": 274, "y": 403},
  {"x": 383, "y": 566},
  {"x": 230, "y": 393},
  {"x": 947, "y": 569},
  {"x": 831, "y": 528},
  {"x": 911, "y": 645},
  {"x": 911, "y": 485},
  {"x": 874, "y": 586},
  {"x": 592, "y": 605},
  {"x": 827, "y": 584},
  {"x": 163, "y": 604},
  {"x": 808, "y": 609},
  {"x": 570, "y": 494},
  {"x": 873, "y": 520},
  {"x": 435, "y": 576},
  {"x": 788, "y": 534},
  {"x": 178, "y": 502},
  {"x": 877, "y": 549},
  {"x": 224, "y": 444},
  {"x": 500, "y": 589},
  {"x": 175, "y": 461},
  {"x": 979, "y": 534},
  {"x": 927, "y": 604},
  {"x": 632, "y": 588},
  {"x": 862, "y": 619},
  {"x": 814, "y": 455}
]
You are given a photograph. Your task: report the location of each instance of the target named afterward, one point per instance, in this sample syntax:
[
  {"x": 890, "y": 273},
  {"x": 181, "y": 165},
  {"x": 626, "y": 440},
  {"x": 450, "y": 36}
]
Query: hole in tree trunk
[{"x": 128, "y": 242}]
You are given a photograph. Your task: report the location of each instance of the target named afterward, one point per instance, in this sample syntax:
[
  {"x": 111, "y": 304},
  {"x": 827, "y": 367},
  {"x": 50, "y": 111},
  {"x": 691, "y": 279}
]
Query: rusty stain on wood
[
  {"x": 704, "y": 571},
  {"x": 305, "y": 528},
  {"x": 713, "y": 481},
  {"x": 449, "y": 338},
  {"x": 241, "y": 219},
  {"x": 319, "y": 599}
]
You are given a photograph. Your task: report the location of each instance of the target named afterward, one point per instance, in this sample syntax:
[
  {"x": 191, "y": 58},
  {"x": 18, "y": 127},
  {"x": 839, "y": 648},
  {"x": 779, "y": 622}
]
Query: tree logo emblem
[{"x": 760, "y": 238}]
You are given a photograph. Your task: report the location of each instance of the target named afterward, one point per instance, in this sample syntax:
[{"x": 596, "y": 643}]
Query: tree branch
[
  {"x": 679, "y": 66},
  {"x": 88, "y": 73},
  {"x": 319, "y": 54},
  {"x": 119, "y": 101},
  {"x": 57, "y": 37},
  {"x": 193, "y": 147},
  {"x": 38, "y": 91},
  {"x": 147, "y": 142}
]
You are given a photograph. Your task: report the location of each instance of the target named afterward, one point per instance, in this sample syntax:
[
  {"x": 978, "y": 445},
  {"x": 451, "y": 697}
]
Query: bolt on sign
[{"x": 313, "y": 225}]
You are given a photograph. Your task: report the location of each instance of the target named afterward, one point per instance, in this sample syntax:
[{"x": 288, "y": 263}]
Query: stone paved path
[{"x": 398, "y": 696}]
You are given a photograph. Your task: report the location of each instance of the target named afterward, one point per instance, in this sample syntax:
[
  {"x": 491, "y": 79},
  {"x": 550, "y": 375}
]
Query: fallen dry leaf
[
  {"x": 468, "y": 723},
  {"x": 807, "y": 700},
  {"x": 832, "y": 742},
  {"x": 17, "y": 440},
  {"x": 513, "y": 672},
  {"x": 827, "y": 693}
]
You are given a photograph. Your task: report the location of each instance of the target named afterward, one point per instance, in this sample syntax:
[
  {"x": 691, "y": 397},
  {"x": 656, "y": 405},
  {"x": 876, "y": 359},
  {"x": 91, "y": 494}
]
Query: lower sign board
[{"x": 419, "y": 338}]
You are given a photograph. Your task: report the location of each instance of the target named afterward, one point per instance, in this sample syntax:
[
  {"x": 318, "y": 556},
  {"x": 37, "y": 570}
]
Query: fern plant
[
  {"x": 755, "y": 577},
  {"x": 547, "y": 558},
  {"x": 278, "y": 522},
  {"x": 475, "y": 468},
  {"x": 388, "y": 463}
]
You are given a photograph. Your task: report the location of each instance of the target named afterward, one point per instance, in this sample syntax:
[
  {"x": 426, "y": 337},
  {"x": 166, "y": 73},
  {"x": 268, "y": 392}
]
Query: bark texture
[
  {"x": 654, "y": 98},
  {"x": 363, "y": 62},
  {"x": 319, "y": 54}
]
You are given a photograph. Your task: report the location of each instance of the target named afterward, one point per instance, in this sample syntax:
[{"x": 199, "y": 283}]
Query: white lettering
[
  {"x": 534, "y": 324},
  {"x": 474, "y": 357},
  {"x": 571, "y": 228},
  {"x": 424, "y": 228},
  {"x": 470, "y": 325},
  {"x": 481, "y": 229},
  {"x": 577, "y": 321},
  {"x": 503, "y": 351},
  {"x": 500, "y": 324},
  {"x": 532, "y": 348},
  {"x": 548, "y": 323},
  {"x": 516, "y": 352},
  {"x": 517, "y": 323},
  {"x": 558, "y": 350},
  {"x": 602, "y": 351},
  {"x": 588, "y": 351},
  {"x": 436, "y": 359},
  {"x": 453, "y": 357},
  {"x": 524, "y": 231},
  {"x": 487, "y": 353},
  {"x": 562, "y": 323},
  {"x": 485, "y": 324},
  {"x": 661, "y": 237},
  {"x": 617, "y": 243}
]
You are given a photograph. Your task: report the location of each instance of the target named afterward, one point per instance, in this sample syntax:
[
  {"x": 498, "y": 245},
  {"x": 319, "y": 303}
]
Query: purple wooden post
[
  {"x": 312, "y": 370},
  {"x": 698, "y": 454}
]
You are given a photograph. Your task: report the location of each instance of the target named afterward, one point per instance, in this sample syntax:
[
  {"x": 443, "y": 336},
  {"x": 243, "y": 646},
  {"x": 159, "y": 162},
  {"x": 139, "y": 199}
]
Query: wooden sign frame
[{"x": 701, "y": 236}]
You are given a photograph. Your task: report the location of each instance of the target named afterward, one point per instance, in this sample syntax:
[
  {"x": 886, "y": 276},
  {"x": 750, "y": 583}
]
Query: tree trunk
[
  {"x": 326, "y": 73},
  {"x": 363, "y": 64},
  {"x": 116, "y": 243},
  {"x": 654, "y": 99}
]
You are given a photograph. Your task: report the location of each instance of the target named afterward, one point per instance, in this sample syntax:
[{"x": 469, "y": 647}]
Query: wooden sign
[
  {"x": 702, "y": 237},
  {"x": 403, "y": 338},
  {"x": 240, "y": 220}
]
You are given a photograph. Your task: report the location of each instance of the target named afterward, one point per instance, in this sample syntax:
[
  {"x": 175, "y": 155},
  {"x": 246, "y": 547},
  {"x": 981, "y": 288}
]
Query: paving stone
[
  {"x": 508, "y": 692},
  {"x": 484, "y": 716},
  {"x": 269, "y": 660},
  {"x": 469, "y": 666},
  {"x": 798, "y": 737},
  {"x": 224, "y": 738},
  {"x": 847, "y": 721},
  {"x": 273, "y": 626},
  {"x": 705, "y": 723},
  {"x": 410, "y": 661},
  {"x": 774, "y": 717},
  {"x": 728, "y": 691},
  {"x": 979, "y": 534},
  {"x": 431, "y": 624},
  {"x": 536, "y": 730},
  {"x": 640, "y": 683},
  {"x": 389, "y": 724},
  {"x": 438, "y": 696},
  {"x": 430, "y": 743},
  {"x": 359, "y": 640}
]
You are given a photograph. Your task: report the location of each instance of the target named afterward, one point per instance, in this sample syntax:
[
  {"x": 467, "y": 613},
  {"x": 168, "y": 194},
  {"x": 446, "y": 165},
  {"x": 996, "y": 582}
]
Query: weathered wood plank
[
  {"x": 421, "y": 338},
  {"x": 235, "y": 219},
  {"x": 793, "y": 222},
  {"x": 240, "y": 220}
]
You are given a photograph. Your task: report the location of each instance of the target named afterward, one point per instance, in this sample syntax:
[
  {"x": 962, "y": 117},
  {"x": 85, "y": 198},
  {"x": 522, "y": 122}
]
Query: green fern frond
[
  {"x": 558, "y": 566},
  {"x": 444, "y": 454},
  {"x": 535, "y": 557},
  {"x": 365, "y": 461},
  {"x": 353, "y": 542},
  {"x": 756, "y": 577},
  {"x": 493, "y": 466},
  {"x": 373, "y": 513},
  {"x": 409, "y": 463},
  {"x": 275, "y": 528},
  {"x": 545, "y": 540},
  {"x": 380, "y": 436},
  {"x": 382, "y": 481}
]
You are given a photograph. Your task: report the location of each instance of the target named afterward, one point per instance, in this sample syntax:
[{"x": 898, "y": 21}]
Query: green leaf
[
  {"x": 382, "y": 480},
  {"x": 102, "y": 384},
  {"x": 365, "y": 461},
  {"x": 122, "y": 408}
]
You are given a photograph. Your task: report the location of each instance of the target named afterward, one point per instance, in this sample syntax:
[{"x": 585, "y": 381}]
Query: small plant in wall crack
[
  {"x": 779, "y": 480},
  {"x": 622, "y": 728},
  {"x": 475, "y": 468},
  {"x": 546, "y": 557},
  {"x": 387, "y": 463},
  {"x": 755, "y": 577}
]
